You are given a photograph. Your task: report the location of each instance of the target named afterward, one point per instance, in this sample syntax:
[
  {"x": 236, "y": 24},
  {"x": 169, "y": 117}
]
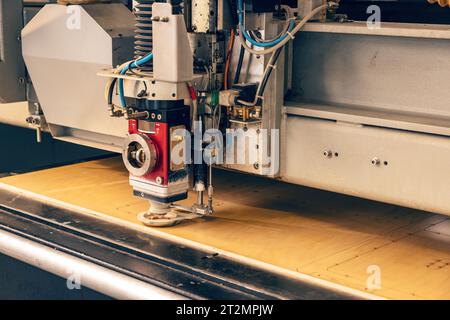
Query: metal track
[{"x": 181, "y": 270}]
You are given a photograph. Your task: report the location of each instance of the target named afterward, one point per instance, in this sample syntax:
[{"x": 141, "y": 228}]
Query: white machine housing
[{"x": 64, "y": 47}]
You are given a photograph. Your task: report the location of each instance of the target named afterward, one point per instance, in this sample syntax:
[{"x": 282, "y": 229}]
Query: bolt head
[{"x": 328, "y": 153}]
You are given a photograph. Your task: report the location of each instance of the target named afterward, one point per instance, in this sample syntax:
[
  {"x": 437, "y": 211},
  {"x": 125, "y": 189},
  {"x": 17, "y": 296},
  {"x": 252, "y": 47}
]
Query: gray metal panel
[
  {"x": 360, "y": 115},
  {"x": 63, "y": 65},
  {"x": 415, "y": 174},
  {"x": 119, "y": 24},
  {"x": 383, "y": 73},
  {"x": 12, "y": 68}
]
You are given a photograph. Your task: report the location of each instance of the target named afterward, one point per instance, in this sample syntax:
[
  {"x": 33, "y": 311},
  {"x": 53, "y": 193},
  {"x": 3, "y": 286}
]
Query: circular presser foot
[
  {"x": 159, "y": 220},
  {"x": 159, "y": 215}
]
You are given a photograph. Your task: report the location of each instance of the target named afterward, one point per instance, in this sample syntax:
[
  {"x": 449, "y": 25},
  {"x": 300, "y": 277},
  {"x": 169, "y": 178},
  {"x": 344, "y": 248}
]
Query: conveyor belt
[
  {"x": 267, "y": 239},
  {"x": 156, "y": 263}
]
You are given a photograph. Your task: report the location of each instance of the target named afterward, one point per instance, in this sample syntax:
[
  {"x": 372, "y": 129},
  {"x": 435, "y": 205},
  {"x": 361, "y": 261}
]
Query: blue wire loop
[
  {"x": 135, "y": 64},
  {"x": 241, "y": 12}
]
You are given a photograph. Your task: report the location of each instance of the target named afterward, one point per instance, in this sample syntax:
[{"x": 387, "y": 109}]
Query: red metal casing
[{"x": 160, "y": 138}]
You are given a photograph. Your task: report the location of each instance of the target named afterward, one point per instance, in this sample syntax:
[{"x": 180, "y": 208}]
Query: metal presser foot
[
  {"x": 167, "y": 215},
  {"x": 159, "y": 215}
]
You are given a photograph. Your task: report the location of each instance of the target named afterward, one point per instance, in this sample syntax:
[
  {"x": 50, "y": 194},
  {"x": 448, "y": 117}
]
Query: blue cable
[
  {"x": 134, "y": 64},
  {"x": 244, "y": 32}
]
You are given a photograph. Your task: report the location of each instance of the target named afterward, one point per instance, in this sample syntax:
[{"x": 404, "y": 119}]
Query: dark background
[
  {"x": 20, "y": 152},
  {"x": 410, "y": 11}
]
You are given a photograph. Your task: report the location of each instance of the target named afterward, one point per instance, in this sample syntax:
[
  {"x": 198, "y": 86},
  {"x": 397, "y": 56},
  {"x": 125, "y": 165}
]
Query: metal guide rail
[{"x": 128, "y": 264}]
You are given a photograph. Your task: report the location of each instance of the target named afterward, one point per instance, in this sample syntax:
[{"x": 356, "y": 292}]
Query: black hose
[
  {"x": 239, "y": 65},
  {"x": 234, "y": 11},
  {"x": 267, "y": 76},
  {"x": 111, "y": 91}
]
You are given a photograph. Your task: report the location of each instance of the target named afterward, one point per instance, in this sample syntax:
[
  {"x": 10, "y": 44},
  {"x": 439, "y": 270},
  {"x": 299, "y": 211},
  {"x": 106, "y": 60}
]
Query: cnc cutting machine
[
  {"x": 335, "y": 104},
  {"x": 345, "y": 96}
]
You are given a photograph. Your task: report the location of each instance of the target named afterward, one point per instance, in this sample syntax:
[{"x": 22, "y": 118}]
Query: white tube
[
  {"x": 297, "y": 28},
  {"x": 93, "y": 276}
]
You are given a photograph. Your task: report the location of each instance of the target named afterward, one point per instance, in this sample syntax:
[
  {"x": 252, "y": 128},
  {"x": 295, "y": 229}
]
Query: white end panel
[
  {"x": 173, "y": 58},
  {"x": 404, "y": 168},
  {"x": 64, "y": 48}
]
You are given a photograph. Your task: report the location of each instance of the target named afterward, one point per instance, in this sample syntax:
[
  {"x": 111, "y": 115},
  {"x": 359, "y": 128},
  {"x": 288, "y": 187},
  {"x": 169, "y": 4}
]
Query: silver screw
[{"x": 376, "y": 161}]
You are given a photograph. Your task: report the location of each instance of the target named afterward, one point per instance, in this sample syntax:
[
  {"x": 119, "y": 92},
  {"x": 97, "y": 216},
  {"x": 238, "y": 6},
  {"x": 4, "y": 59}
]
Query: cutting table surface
[{"x": 296, "y": 230}]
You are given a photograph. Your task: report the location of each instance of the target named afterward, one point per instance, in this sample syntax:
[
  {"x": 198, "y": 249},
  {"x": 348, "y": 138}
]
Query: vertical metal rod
[
  {"x": 38, "y": 135},
  {"x": 200, "y": 202}
]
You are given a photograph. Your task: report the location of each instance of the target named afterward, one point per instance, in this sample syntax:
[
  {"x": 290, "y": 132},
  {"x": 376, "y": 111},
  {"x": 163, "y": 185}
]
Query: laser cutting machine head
[{"x": 161, "y": 92}]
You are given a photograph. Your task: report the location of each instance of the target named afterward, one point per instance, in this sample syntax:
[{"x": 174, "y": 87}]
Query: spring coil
[{"x": 144, "y": 32}]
